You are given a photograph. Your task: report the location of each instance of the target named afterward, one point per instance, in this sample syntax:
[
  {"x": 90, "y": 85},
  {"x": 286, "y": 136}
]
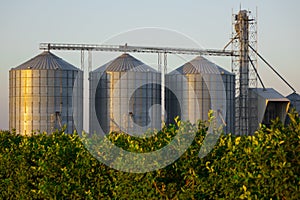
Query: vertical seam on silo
[
  {"x": 196, "y": 103},
  {"x": 47, "y": 102},
  {"x": 60, "y": 95},
  {"x": 40, "y": 126},
  {"x": 32, "y": 116},
  {"x": 13, "y": 88},
  {"x": 25, "y": 94},
  {"x": 202, "y": 96},
  {"x": 148, "y": 100},
  {"x": 124, "y": 117},
  {"x": 15, "y": 100},
  {"x": 20, "y": 92},
  {"x": 66, "y": 105}
]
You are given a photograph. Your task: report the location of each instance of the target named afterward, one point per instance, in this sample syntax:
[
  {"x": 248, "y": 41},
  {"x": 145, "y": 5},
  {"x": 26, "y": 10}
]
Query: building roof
[
  {"x": 125, "y": 62},
  {"x": 294, "y": 97},
  {"x": 269, "y": 94},
  {"x": 200, "y": 65},
  {"x": 264, "y": 98},
  {"x": 46, "y": 61}
]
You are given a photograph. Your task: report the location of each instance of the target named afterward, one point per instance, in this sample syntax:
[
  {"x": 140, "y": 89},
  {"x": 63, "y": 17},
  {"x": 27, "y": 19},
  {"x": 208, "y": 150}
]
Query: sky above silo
[{"x": 24, "y": 24}]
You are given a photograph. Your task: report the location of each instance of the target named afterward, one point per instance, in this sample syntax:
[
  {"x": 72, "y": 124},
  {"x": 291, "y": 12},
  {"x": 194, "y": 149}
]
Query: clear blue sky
[{"x": 24, "y": 24}]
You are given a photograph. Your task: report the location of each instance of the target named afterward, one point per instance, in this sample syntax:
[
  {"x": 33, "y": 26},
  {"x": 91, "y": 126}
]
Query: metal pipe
[
  {"x": 82, "y": 59},
  {"x": 232, "y": 39},
  {"x": 90, "y": 61},
  {"x": 163, "y": 72}
]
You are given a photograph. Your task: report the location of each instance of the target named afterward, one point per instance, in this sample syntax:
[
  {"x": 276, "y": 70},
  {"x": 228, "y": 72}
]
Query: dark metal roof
[
  {"x": 46, "y": 61},
  {"x": 294, "y": 97},
  {"x": 269, "y": 94},
  {"x": 200, "y": 65},
  {"x": 125, "y": 62}
]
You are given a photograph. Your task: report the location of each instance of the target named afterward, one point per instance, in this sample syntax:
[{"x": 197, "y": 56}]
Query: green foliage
[{"x": 57, "y": 166}]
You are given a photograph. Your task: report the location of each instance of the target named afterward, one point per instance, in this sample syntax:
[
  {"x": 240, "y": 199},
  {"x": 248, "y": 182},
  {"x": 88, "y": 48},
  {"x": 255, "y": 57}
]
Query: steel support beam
[{"x": 135, "y": 49}]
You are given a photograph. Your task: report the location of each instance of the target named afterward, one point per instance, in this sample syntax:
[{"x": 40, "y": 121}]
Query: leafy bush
[{"x": 57, "y": 166}]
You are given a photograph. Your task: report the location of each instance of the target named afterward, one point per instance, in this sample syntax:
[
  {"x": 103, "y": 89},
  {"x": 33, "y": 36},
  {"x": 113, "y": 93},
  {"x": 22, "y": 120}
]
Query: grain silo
[
  {"x": 45, "y": 93},
  {"x": 197, "y": 87},
  {"x": 125, "y": 96}
]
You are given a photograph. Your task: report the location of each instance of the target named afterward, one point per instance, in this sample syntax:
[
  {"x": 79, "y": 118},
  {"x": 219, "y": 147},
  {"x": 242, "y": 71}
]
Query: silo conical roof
[
  {"x": 46, "y": 61},
  {"x": 200, "y": 65},
  {"x": 125, "y": 62}
]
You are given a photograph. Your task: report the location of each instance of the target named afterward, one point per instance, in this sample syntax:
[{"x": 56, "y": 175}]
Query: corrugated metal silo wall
[
  {"x": 229, "y": 86},
  {"x": 187, "y": 91},
  {"x": 36, "y": 96},
  {"x": 188, "y": 97},
  {"x": 121, "y": 100}
]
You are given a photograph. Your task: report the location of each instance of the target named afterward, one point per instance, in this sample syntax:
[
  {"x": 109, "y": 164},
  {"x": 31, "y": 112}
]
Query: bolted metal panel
[
  {"x": 193, "y": 89},
  {"x": 41, "y": 95},
  {"x": 123, "y": 97}
]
